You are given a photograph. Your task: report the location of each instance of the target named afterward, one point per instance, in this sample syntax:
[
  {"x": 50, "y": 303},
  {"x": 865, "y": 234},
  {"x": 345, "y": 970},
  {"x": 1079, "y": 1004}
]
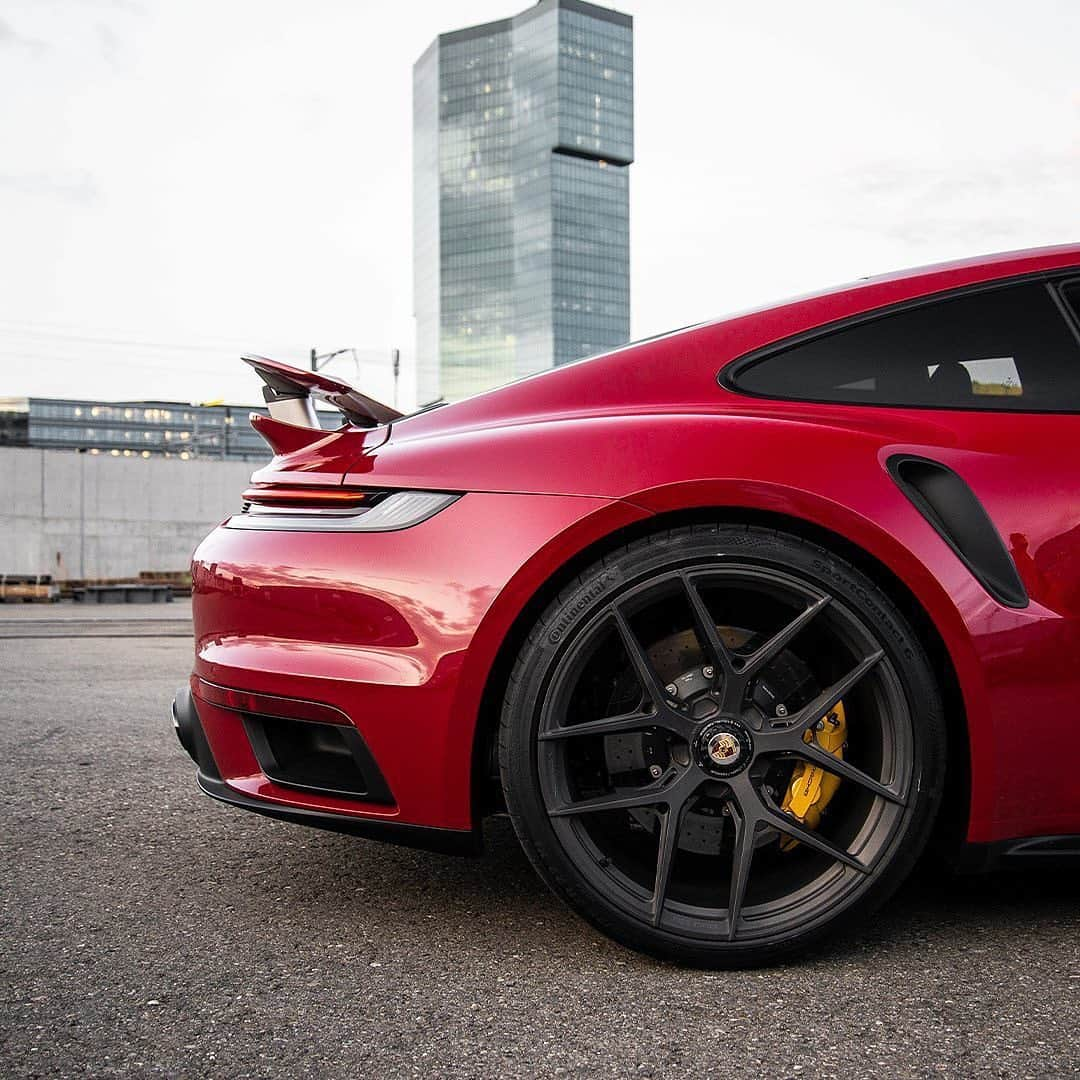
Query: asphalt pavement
[{"x": 148, "y": 931}]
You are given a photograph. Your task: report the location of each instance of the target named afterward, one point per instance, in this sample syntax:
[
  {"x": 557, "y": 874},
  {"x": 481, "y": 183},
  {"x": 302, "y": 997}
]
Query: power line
[
  {"x": 48, "y": 329},
  {"x": 163, "y": 349},
  {"x": 121, "y": 342},
  {"x": 157, "y": 364},
  {"x": 144, "y": 364},
  {"x": 237, "y": 345}
]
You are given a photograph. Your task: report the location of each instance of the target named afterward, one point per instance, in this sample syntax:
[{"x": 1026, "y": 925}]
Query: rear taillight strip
[
  {"x": 391, "y": 513},
  {"x": 340, "y": 498}
]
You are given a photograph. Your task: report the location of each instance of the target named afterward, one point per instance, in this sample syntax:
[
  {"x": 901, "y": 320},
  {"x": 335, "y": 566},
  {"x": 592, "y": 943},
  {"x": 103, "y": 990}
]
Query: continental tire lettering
[{"x": 586, "y": 599}]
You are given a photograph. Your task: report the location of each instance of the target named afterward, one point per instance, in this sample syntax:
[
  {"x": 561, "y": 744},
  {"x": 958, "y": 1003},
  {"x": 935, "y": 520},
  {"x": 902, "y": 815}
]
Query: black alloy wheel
[{"x": 721, "y": 743}]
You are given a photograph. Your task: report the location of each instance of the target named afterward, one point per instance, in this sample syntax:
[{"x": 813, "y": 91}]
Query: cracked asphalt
[{"x": 148, "y": 931}]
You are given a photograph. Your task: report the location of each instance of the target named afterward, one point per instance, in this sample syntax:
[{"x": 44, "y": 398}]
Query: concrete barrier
[{"x": 77, "y": 515}]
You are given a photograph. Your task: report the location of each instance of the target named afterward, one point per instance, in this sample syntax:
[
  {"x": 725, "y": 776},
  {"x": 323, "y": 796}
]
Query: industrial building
[
  {"x": 86, "y": 491},
  {"x": 135, "y": 428}
]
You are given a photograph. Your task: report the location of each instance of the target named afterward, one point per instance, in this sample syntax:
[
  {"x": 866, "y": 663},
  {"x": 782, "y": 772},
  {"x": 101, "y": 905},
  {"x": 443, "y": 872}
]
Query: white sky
[{"x": 182, "y": 180}]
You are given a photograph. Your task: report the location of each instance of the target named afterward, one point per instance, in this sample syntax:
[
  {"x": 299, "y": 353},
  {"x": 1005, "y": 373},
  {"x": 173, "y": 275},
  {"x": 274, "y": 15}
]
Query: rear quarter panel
[{"x": 824, "y": 465}]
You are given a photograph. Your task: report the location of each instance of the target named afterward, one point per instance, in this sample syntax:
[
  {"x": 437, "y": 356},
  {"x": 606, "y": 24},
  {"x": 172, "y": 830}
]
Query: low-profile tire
[{"x": 670, "y": 709}]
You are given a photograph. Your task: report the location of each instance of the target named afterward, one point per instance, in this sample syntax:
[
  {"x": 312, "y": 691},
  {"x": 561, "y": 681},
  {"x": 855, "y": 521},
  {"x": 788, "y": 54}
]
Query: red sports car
[{"x": 731, "y": 622}]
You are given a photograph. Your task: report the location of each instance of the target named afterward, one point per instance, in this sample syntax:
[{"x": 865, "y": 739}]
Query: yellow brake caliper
[{"x": 812, "y": 788}]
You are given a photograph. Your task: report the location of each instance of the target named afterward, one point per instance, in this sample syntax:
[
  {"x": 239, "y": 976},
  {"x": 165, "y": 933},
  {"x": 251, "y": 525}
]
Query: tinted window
[
  {"x": 1071, "y": 292},
  {"x": 1007, "y": 348}
]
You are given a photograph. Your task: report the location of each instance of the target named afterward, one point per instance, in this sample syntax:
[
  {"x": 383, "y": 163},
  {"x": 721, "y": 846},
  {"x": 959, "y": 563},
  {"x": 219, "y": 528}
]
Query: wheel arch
[{"x": 953, "y": 818}]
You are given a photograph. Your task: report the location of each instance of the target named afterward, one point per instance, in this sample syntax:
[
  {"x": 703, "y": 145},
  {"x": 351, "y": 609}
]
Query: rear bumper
[
  {"x": 192, "y": 736},
  {"x": 390, "y": 637},
  {"x": 189, "y": 731}
]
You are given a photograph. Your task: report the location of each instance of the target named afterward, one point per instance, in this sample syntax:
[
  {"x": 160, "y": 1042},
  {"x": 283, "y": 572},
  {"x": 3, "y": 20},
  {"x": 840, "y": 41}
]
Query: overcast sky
[{"x": 182, "y": 180}]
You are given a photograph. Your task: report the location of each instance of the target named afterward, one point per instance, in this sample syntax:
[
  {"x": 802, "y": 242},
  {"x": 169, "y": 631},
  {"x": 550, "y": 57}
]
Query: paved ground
[
  {"x": 145, "y": 930},
  {"x": 67, "y": 619}
]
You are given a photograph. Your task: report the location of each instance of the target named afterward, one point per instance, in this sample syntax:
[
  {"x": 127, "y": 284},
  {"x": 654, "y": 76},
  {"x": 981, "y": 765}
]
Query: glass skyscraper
[{"x": 523, "y": 135}]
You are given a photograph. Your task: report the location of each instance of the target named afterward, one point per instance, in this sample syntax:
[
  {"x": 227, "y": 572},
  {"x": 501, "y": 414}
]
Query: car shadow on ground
[{"x": 340, "y": 877}]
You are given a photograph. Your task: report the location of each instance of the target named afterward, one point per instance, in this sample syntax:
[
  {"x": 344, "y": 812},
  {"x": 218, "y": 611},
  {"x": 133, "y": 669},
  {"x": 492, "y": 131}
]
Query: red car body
[{"x": 408, "y": 635}]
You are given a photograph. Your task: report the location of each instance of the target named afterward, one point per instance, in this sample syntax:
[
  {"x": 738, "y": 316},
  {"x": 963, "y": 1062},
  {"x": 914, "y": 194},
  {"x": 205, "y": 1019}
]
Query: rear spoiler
[{"x": 288, "y": 392}]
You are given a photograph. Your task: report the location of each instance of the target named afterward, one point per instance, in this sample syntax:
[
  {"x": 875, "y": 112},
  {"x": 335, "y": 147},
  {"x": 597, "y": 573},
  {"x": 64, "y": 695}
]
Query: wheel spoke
[
  {"x": 776, "y": 644},
  {"x": 788, "y": 825},
  {"x": 753, "y": 805},
  {"x": 670, "y": 826},
  {"x": 650, "y": 681},
  {"x": 845, "y": 770},
  {"x": 610, "y": 725},
  {"x": 827, "y": 699},
  {"x": 741, "y": 857},
  {"x": 705, "y": 626},
  {"x": 660, "y": 792}
]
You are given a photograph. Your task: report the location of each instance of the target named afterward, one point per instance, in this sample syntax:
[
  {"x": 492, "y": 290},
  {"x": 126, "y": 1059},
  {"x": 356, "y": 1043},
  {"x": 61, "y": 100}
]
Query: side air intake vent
[{"x": 943, "y": 498}]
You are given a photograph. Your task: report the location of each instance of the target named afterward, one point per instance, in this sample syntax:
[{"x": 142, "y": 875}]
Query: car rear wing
[{"x": 290, "y": 394}]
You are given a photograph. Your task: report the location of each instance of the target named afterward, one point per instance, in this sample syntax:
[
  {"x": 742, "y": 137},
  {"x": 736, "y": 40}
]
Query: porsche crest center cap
[{"x": 724, "y": 747}]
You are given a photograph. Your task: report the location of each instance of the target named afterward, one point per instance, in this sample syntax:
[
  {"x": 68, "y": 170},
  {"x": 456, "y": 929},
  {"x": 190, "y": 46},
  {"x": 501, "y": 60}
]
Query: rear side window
[
  {"x": 1006, "y": 348},
  {"x": 1071, "y": 291}
]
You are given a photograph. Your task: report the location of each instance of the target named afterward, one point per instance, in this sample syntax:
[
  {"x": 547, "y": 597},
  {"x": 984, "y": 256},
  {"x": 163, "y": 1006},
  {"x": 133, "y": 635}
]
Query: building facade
[
  {"x": 136, "y": 428},
  {"x": 523, "y": 136}
]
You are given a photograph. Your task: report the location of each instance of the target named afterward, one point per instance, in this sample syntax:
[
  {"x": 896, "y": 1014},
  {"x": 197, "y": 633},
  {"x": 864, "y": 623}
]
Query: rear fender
[
  {"x": 494, "y": 636},
  {"x": 900, "y": 540}
]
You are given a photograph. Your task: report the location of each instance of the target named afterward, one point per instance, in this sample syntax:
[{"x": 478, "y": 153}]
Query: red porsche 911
[{"x": 730, "y": 622}]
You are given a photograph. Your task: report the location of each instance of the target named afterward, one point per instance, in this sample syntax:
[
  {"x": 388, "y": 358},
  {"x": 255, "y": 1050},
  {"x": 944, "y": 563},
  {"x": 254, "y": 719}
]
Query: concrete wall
[{"x": 95, "y": 516}]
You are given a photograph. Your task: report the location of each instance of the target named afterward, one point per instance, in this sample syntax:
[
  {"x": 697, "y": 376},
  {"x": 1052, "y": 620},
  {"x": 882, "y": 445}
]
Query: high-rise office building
[{"x": 523, "y": 133}]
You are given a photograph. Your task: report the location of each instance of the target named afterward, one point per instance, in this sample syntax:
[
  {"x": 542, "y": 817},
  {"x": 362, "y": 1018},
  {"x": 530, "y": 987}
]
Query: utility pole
[
  {"x": 314, "y": 361},
  {"x": 395, "y": 355}
]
